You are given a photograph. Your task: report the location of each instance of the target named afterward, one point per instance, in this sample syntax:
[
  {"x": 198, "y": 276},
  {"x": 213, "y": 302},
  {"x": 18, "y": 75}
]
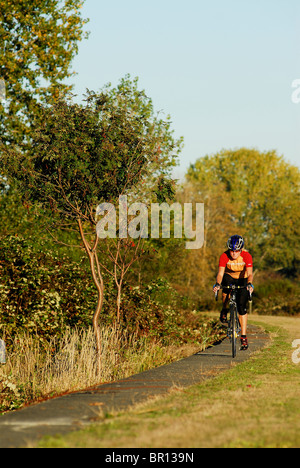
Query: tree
[
  {"x": 84, "y": 155},
  {"x": 263, "y": 194},
  {"x": 39, "y": 40},
  {"x": 200, "y": 265}
]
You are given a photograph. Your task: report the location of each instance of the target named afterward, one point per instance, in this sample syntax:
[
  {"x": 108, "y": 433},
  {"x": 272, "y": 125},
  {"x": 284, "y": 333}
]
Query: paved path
[{"x": 75, "y": 410}]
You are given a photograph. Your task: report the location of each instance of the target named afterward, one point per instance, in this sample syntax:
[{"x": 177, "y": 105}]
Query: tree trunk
[
  {"x": 119, "y": 297},
  {"x": 98, "y": 281}
]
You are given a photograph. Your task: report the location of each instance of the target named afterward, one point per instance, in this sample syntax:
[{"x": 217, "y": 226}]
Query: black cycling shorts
[{"x": 241, "y": 294}]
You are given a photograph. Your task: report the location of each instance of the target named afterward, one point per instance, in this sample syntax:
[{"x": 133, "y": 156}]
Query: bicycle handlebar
[{"x": 233, "y": 286}]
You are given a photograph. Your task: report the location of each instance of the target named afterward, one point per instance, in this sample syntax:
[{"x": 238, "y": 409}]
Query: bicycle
[{"x": 234, "y": 327}]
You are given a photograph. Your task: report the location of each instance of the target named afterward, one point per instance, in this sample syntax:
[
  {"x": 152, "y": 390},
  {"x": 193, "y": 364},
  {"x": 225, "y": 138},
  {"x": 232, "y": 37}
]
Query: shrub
[
  {"x": 41, "y": 292},
  {"x": 277, "y": 295}
]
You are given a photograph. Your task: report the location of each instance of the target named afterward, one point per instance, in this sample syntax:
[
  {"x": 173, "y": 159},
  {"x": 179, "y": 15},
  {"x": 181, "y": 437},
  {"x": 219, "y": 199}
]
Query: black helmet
[{"x": 235, "y": 243}]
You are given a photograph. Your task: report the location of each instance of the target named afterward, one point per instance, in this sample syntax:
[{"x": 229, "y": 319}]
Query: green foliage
[
  {"x": 155, "y": 310},
  {"x": 84, "y": 155},
  {"x": 11, "y": 397},
  {"x": 39, "y": 40},
  {"x": 277, "y": 295},
  {"x": 40, "y": 292}
]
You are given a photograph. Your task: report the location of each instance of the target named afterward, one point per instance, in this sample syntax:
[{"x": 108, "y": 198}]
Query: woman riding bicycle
[{"x": 236, "y": 267}]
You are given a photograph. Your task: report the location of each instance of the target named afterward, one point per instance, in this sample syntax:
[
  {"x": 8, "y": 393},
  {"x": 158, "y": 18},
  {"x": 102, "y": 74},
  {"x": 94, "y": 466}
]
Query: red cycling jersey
[{"x": 236, "y": 268}]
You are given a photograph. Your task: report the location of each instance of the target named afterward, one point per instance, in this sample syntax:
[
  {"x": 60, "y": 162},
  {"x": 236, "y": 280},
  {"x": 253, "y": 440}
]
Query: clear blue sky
[{"x": 223, "y": 69}]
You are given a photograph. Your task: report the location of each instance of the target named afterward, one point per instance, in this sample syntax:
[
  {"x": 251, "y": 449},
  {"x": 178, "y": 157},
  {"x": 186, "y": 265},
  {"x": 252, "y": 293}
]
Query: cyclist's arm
[
  {"x": 219, "y": 278},
  {"x": 250, "y": 277}
]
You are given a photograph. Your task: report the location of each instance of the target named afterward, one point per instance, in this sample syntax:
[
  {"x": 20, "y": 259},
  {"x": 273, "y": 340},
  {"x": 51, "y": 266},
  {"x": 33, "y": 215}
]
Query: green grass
[{"x": 254, "y": 404}]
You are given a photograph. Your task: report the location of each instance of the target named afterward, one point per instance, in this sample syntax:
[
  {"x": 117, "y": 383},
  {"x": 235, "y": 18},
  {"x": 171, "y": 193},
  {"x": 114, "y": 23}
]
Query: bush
[
  {"x": 153, "y": 310},
  {"x": 40, "y": 292},
  {"x": 43, "y": 294},
  {"x": 277, "y": 295}
]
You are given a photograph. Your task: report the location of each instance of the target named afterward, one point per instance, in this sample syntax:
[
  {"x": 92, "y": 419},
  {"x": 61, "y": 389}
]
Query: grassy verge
[{"x": 255, "y": 404}]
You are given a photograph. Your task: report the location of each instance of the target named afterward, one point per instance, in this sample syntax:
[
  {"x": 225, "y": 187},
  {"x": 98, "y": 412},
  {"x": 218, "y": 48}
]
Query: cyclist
[{"x": 236, "y": 267}]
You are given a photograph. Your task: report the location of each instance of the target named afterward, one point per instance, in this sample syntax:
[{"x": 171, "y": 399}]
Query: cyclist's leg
[
  {"x": 227, "y": 280},
  {"x": 243, "y": 321},
  {"x": 242, "y": 299}
]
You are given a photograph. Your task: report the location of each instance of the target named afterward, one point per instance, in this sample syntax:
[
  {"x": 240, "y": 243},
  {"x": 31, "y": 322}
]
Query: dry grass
[{"x": 37, "y": 370}]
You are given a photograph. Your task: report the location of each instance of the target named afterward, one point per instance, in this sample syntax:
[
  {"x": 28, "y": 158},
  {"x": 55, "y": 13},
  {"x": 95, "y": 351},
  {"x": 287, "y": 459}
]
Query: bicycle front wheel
[{"x": 233, "y": 326}]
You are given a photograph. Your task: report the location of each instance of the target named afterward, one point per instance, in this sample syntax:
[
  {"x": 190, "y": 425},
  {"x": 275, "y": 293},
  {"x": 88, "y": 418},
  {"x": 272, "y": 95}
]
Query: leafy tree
[
  {"x": 261, "y": 196},
  {"x": 39, "y": 40},
  {"x": 83, "y": 155},
  {"x": 198, "y": 267}
]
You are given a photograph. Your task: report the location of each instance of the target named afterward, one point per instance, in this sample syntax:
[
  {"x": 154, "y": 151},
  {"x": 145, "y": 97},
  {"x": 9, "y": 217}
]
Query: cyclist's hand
[
  {"x": 216, "y": 288},
  {"x": 250, "y": 288}
]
